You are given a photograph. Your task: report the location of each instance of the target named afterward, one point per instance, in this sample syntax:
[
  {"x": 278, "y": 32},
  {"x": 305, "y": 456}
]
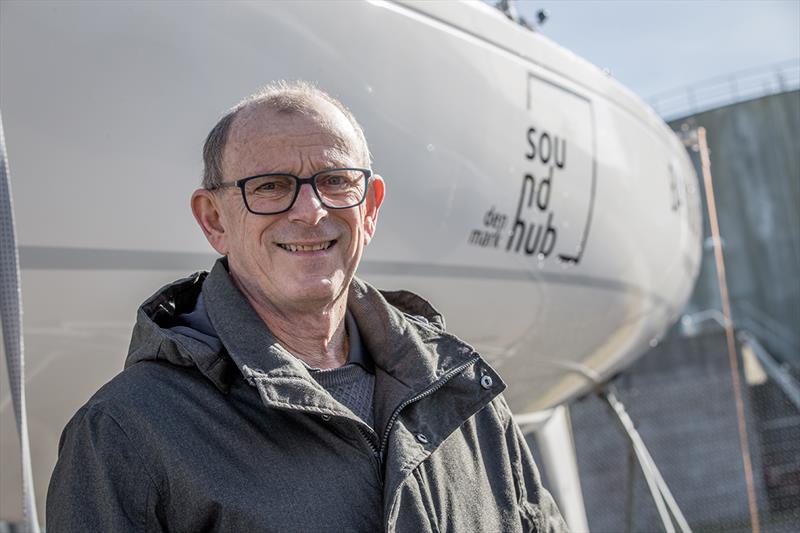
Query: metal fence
[
  {"x": 728, "y": 89},
  {"x": 679, "y": 395}
]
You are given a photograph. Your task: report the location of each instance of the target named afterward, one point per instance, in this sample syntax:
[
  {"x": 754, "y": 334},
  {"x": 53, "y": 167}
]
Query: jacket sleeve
[
  {"x": 99, "y": 482},
  {"x": 538, "y": 510}
]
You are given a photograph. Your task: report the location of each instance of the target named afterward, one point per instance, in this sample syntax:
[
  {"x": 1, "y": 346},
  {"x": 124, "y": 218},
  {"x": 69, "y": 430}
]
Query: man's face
[{"x": 261, "y": 249}]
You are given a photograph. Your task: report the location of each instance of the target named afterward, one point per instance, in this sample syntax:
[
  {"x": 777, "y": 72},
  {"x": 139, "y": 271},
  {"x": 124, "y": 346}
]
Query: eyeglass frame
[{"x": 311, "y": 180}]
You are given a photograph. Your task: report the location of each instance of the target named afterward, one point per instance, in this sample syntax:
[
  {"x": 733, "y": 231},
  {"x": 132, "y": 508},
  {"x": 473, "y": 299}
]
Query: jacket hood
[
  {"x": 154, "y": 339},
  {"x": 160, "y": 333}
]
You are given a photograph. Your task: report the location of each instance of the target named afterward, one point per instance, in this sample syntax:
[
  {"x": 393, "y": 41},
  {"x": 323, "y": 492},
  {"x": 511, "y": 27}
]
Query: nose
[{"x": 307, "y": 207}]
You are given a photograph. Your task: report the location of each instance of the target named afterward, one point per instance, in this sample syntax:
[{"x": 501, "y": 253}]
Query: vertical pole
[
  {"x": 726, "y": 312},
  {"x": 781, "y": 81},
  {"x": 557, "y": 446},
  {"x": 629, "y": 497},
  {"x": 11, "y": 320}
]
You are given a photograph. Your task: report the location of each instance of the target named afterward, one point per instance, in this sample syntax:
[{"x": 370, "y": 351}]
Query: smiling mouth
[{"x": 307, "y": 247}]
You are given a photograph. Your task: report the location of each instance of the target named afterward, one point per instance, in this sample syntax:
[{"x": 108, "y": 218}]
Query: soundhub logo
[{"x": 533, "y": 230}]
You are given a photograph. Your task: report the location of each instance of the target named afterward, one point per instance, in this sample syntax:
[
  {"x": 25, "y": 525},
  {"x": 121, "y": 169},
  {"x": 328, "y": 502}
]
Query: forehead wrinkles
[
  {"x": 278, "y": 153},
  {"x": 258, "y": 132}
]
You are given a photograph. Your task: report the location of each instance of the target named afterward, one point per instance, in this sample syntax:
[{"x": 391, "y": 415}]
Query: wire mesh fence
[{"x": 680, "y": 396}]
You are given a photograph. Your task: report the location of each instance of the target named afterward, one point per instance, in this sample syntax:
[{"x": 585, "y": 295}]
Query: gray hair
[{"x": 282, "y": 96}]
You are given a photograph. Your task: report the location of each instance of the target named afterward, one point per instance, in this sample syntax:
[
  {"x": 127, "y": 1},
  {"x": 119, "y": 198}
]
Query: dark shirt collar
[{"x": 358, "y": 352}]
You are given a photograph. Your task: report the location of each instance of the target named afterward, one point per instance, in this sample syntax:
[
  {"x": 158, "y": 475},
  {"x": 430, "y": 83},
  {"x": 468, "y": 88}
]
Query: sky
[{"x": 653, "y": 46}]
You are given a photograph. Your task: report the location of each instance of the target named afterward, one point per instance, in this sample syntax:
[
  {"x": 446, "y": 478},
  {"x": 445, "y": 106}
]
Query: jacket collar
[{"x": 403, "y": 333}]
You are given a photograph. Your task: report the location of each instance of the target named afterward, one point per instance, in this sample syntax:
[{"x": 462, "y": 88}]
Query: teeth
[{"x": 306, "y": 247}]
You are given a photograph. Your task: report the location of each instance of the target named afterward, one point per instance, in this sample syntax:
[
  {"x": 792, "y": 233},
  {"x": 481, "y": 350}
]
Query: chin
[{"x": 310, "y": 289}]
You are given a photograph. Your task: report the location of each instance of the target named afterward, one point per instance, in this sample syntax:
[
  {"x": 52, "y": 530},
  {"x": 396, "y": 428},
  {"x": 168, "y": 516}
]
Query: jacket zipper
[
  {"x": 379, "y": 452},
  {"x": 427, "y": 392},
  {"x": 375, "y": 452}
]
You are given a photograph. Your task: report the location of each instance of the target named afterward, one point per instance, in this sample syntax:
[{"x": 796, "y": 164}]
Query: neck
[{"x": 317, "y": 336}]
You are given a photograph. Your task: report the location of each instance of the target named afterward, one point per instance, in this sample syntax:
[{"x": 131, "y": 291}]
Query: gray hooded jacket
[{"x": 234, "y": 435}]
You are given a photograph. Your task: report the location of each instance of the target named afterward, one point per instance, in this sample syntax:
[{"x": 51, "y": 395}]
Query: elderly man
[{"x": 280, "y": 393}]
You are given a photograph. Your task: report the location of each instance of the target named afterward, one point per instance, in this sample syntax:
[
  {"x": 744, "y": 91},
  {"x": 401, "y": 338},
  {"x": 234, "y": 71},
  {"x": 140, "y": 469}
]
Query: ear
[
  {"x": 373, "y": 204},
  {"x": 206, "y": 211}
]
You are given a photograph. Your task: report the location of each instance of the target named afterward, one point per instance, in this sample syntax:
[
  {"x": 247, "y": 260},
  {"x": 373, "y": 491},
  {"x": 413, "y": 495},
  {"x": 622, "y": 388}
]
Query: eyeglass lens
[{"x": 274, "y": 193}]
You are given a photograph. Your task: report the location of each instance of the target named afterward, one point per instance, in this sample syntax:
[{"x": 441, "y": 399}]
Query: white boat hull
[{"x": 545, "y": 210}]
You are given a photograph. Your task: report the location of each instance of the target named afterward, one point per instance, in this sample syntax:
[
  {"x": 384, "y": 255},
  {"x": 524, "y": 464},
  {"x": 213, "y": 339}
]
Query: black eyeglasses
[{"x": 270, "y": 194}]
